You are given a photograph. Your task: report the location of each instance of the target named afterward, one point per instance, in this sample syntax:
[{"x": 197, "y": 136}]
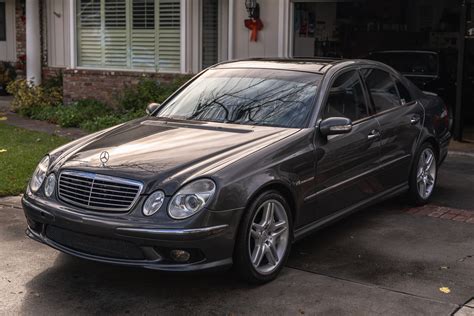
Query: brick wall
[
  {"x": 101, "y": 85},
  {"x": 20, "y": 28},
  {"x": 20, "y": 24},
  {"x": 50, "y": 72}
]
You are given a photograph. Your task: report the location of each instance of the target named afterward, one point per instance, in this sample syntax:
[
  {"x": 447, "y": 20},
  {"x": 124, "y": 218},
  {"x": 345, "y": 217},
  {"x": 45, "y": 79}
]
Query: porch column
[{"x": 33, "y": 46}]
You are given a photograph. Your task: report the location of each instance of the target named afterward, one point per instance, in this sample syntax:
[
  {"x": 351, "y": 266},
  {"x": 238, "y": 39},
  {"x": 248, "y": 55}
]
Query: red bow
[{"x": 255, "y": 26}]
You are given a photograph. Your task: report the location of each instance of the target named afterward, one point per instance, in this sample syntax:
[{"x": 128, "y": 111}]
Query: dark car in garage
[
  {"x": 430, "y": 70},
  {"x": 243, "y": 160}
]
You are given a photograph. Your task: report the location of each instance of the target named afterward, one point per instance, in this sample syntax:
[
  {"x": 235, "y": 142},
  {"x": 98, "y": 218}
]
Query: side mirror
[
  {"x": 335, "y": 126},
  {"x": 150, "y": 108}
]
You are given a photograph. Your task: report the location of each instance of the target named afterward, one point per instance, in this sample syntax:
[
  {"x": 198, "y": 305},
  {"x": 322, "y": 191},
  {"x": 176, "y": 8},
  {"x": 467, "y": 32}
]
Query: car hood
[{"x": 161, "y": 152}]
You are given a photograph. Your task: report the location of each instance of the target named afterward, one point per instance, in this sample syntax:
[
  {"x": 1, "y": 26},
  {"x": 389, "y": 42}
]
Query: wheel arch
[
  {"x": 432, "y": 141},
  {"x": 281, "y": 188}
]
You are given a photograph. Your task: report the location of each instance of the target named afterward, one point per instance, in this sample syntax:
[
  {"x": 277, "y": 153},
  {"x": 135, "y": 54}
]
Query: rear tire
[
  {"x": 264, "y": 239},
  {"x": 423, "y": 175}
]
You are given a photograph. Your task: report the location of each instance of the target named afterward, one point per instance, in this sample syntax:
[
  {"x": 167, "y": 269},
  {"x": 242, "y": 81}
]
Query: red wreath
[{"x": 254, "y": 25}]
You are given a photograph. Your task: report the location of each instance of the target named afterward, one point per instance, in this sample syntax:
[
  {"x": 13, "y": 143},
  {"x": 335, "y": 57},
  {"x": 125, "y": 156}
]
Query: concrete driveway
[{"x": 389, "y": 259}]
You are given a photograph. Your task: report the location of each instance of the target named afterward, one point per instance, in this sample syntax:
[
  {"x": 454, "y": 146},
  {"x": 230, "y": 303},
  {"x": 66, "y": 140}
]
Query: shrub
[
  {"x": 47, "y": 113},
  {"x": 28, "y": 97},
  {"x": 7, "y": 75},
  {"x": 101, "y": 122},
  {"x": 75, "y": 114},
  {"x": 54, "y": 81},
  {"x": 137, "y": 97}
]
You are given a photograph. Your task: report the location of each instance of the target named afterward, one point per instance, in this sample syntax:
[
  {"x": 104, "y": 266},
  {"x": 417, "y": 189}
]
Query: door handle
[
  {"x": 414, "y": 119},
  {"x": 373, "y": 134}
]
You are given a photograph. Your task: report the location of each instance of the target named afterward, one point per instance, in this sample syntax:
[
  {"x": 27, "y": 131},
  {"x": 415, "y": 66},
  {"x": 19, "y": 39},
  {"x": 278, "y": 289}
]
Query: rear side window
[
  {"x": 382, "y": 89},
  {"x": 405, "y": 96},
  {"x": 346, "y": 98}
]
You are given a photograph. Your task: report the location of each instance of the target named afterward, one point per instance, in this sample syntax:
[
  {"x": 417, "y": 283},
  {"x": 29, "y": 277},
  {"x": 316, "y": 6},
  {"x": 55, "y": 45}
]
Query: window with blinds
[{"x": 131, "y": 34}]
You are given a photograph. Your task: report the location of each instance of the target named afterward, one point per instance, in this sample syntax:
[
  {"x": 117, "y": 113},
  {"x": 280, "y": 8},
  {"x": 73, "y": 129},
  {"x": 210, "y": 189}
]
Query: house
[{"x": 101, "y": 46}]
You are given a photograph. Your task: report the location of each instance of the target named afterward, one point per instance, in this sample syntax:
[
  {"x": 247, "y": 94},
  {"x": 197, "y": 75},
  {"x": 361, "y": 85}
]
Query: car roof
[
  {"x": 314, "y": 65},
  {"x": 317, "y": 65}
]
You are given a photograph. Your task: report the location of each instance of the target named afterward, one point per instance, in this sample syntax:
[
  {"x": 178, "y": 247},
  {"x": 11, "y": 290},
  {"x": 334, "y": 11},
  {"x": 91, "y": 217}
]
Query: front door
[
  {"x": 400, "y": 119},
  {"x": 347, "y": 164}
]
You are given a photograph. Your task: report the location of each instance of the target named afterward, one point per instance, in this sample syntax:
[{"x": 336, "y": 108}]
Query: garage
[{"x": 422, "y": 39}]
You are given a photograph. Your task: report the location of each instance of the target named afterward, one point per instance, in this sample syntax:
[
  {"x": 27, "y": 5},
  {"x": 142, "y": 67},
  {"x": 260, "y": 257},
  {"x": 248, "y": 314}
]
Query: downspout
[{"x": 230, "y": 37}]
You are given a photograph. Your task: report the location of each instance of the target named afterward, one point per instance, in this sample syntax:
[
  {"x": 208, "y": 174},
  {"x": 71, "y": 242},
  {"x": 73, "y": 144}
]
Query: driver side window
[{"x": 346, "y": 98}]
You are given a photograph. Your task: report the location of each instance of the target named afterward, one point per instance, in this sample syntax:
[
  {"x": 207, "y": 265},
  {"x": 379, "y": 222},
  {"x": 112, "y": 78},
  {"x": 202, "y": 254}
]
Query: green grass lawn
[{"x": 20, "y": 152}]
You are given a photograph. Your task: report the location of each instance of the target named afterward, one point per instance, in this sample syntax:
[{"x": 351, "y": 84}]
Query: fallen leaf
[
  {"x": 2, "y": 150},
  {"x": 445, "y": 290}
]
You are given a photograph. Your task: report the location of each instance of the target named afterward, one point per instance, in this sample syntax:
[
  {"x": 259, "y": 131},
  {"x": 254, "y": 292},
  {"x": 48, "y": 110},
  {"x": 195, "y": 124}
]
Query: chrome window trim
[{"x": 93, "y": 177}]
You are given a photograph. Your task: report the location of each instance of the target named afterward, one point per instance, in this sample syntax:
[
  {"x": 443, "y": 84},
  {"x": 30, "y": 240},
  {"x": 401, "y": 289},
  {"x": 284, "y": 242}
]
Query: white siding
[
  {"x": 267, "y": 43},
  {"x": 58, "y": 32},
  {"x": 8, "y": 47}
]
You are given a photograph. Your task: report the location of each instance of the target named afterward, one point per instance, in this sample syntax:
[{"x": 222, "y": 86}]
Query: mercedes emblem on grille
[{"x": 104, "y": 157}]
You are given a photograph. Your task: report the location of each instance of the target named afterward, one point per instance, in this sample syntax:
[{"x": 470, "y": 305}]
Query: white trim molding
[
  {"x": 284, "y": 27},
  {"x": 183, "y": 31},
  {"x": 230, "y": 39},
  {"x": 72, "y": 37}
]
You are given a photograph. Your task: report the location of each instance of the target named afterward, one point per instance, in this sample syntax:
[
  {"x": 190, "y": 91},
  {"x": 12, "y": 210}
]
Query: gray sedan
[{"x": 243, "y": 160}]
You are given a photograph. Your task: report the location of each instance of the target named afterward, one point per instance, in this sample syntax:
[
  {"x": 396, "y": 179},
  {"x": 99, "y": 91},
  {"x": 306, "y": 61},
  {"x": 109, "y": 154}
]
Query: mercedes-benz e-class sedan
[{"x": 243, "y": 160}]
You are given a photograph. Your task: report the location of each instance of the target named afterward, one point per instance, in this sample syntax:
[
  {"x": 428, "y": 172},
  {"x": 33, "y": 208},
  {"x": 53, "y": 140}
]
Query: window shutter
[
  {"x": 115, "y": 33},
  {"x": 143, "y": 34},
  {"x": 169, "y": 35},
  {"x": 131, "y": 34},
  {"x": 89, "y": 33}
]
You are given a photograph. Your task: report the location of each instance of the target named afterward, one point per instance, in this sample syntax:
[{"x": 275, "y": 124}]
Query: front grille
[
  {"x": 94, "y": 245},
  {"x": 98, "y": 192}
]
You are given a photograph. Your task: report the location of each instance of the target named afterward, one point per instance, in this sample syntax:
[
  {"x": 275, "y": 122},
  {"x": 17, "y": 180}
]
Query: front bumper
[{"x": 133, "y": 241}]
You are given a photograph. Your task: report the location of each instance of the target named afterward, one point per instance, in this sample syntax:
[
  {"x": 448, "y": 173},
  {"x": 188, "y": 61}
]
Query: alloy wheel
[
  {"x": 426, "y": 173},
  {"x": 268, "y": 237}
]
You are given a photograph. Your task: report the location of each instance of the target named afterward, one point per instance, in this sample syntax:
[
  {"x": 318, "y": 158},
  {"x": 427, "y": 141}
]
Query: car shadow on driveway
[
  {"x": 378, "y": 257},
  {"x": 383, "y": 260}
]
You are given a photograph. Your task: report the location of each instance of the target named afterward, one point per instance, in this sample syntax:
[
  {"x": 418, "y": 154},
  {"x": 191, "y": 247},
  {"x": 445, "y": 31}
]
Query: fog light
[
  {"x": 50, "y": 184},
  {"x": 180, "y": 255}
]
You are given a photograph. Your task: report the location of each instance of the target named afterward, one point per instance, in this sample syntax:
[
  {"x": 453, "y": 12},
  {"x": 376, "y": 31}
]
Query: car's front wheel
[
  {"x": 423, "y": 175},
  {"x": 264, "y": 238}
]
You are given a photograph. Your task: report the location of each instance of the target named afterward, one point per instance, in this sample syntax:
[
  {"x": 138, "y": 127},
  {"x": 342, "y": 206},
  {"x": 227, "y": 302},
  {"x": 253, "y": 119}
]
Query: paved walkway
[{"x": 16, "y": 120}]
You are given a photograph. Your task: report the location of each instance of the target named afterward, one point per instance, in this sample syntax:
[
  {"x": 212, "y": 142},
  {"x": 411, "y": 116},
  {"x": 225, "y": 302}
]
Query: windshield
[
  {"x": 246, "y": 96},
  {"x": 410, "y": 63}
]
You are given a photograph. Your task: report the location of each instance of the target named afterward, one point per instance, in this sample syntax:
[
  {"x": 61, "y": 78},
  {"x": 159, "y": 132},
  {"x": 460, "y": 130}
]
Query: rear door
[
  {"x": 401, "y": 120},
  {"x": 346, "y": 169}
]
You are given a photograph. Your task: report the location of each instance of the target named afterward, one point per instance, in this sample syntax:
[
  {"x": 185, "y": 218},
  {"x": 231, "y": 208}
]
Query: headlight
[
  {"x": 191, "y": 198},
  {"x": 39, "y": 174},
  {"x": 49, "y": 185},
  {"x": 153, "y": 203}
]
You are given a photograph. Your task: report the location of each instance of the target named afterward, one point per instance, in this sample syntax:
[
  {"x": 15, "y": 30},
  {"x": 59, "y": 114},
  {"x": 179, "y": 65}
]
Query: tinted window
[
  {"x": 346, "y": 98},
  {"x": 382, "y": 89},
  {"x": 246, "y": 96},
  {"x": 405, "y": 96},
  {"x": 414, "y": 63}
]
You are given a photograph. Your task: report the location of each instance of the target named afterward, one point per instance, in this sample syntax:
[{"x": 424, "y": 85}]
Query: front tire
[
  {"x": 264, "y": 239},
  {"x": 423, "y": 175}
]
